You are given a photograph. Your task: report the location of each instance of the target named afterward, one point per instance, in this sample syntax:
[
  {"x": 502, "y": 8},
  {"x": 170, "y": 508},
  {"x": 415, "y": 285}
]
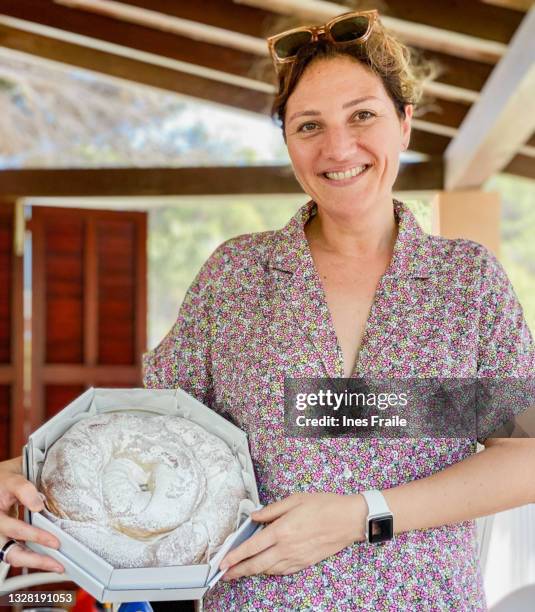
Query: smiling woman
[{"x": 350, "y": 287}]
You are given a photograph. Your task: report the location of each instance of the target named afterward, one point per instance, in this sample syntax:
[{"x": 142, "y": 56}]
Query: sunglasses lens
[
  {"x": 290, "y": 44},
  {"x": 350, "y": 29}
]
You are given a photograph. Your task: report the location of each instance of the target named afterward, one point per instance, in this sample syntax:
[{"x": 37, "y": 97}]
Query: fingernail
[{"x": 59, "y": 569}]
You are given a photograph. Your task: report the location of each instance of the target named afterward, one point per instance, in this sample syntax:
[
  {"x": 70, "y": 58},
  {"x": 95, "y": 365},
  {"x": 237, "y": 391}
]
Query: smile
[{"x": 348, "y": 174}]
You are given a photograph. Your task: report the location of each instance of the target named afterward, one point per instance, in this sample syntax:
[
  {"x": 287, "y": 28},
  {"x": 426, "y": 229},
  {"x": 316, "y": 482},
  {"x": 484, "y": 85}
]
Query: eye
[
  {"x": 363, "y": 115},
  {"x": 308, "y": 127}
]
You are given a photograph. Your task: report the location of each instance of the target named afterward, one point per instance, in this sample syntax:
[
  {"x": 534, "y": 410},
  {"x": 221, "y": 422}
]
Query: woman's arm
[
  {"x": 306, "y": 528},
  {"x": 500, "y": 477}
]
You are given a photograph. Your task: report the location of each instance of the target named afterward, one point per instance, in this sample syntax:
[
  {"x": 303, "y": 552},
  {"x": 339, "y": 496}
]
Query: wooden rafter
[
  {"x": 500, "y": 122},
  {"x": 133, "y": 70},
  {"x": 417, "y": 34},
  {"x": 184, "y": 181},
  {"x": 482, "y": 21},
  {"x": 517, "y": 5},
  {"x": 441, "y": 112},
  {"x": 257, "y": 22},
  {"x": 459, "y": 73},
  {"x": 215, "y": 72},
  {"x": 521, "y": 165},
  {"x": 131, "y": 36}
]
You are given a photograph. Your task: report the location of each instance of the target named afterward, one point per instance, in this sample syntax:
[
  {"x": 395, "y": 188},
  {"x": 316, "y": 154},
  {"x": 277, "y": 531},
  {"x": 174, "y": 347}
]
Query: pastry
[{"x": 143, "y": 491}]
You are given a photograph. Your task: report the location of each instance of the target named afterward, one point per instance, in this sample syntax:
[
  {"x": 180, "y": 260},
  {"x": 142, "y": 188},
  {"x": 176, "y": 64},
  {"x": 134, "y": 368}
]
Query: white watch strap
[{"x": 376, "y": 503}]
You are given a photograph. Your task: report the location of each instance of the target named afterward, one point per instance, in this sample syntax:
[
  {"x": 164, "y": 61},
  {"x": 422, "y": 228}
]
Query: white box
[{"x": 86, "y": 568}]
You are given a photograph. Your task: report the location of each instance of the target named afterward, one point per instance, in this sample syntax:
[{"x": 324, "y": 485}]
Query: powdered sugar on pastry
[{"x": 143, "y": 491}]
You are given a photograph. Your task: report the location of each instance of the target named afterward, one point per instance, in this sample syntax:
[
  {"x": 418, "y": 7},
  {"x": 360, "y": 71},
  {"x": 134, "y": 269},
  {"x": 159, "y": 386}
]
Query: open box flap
[
  {"x": 247, "y": 529},
  {"x": 160, "y": 401},
  {"x": 122, "y": 596},
  {"x": 190, "y": 408},
  {"x": 61, "y": 421},
  {"x": 72, "y": 570}
]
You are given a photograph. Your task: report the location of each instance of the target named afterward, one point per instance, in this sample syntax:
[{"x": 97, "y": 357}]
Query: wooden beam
[
  {"x": 417, "y": 34},
  {"x": 521, "y": 165},
  {"x": 160, "y": 43},
  {"x": 463, "y": 73},
  {"x": 257, "y": 22},
  {"x": 427, "y": 143},
  {"x": 442, "y": 112},
  {"x": 475, "y": 19},
  {"x": 148, "y": 181},
  {"x": 459, "y": 73},
  {"x": 500, "y": 122},
  {"x": 67, "y": 374},
  {"x": 225, "y": 180},
  {"x": 133, "y": 70},
  {"x": 517, "y": 5},
  {"x": 421, "y": 176}
]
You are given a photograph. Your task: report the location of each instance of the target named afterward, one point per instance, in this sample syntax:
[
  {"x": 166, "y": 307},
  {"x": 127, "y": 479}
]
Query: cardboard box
[{"x": 86, "y": 568}]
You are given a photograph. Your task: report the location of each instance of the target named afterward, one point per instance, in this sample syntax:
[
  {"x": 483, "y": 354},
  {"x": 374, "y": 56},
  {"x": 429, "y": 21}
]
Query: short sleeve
[
  {"x": 506, "y": 352},
  {"x": 183, "y": 357},
  {"x": 505, "y": 346}
]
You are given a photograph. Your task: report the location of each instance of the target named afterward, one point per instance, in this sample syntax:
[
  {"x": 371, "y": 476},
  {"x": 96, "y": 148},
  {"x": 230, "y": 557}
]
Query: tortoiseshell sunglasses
[{"x": 349, "y": 28}]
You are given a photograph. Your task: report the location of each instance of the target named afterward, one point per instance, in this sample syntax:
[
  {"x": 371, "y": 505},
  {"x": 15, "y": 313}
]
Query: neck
[{"x": 365, "y": 235}]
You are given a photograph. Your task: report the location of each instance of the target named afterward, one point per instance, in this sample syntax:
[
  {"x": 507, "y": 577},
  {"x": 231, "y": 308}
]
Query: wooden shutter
[
  {"x": 88, "y": 303},
  {"x": 11, "y": 336}
]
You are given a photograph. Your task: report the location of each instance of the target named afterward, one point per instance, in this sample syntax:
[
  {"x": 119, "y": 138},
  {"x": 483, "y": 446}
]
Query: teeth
[{"x": 340, "y": 176}]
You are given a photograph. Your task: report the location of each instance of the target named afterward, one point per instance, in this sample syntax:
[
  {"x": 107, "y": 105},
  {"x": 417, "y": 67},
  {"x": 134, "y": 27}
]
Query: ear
[{"x": 406, "y": 127}]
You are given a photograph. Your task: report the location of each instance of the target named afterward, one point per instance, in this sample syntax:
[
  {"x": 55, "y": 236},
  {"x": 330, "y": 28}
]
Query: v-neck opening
[{"x": 357, "y": 365}]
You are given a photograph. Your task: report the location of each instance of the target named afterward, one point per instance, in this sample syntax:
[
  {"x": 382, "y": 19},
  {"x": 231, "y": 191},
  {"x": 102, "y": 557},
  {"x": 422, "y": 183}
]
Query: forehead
[{"x": 334, "y": 81}]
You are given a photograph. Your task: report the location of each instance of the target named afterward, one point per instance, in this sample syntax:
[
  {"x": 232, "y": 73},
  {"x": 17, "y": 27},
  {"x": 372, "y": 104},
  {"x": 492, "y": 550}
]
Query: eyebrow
[{"x": 315, "y": 113}]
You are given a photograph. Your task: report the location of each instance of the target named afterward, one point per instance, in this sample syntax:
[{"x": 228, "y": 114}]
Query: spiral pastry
[{"x": 143, "y": 491}]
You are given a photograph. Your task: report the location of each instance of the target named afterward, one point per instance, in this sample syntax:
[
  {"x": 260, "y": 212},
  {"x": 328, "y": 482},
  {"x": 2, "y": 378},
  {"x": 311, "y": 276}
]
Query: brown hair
[{"x": 402, "y": 70}]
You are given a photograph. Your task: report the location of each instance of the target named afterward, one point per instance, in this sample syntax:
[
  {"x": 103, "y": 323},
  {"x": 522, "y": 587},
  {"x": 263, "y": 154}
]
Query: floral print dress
[{"x": 256, "y": 313}]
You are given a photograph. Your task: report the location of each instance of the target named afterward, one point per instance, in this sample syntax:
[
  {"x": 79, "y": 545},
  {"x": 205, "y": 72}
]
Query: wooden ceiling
[{"x": 479, "y": 121}]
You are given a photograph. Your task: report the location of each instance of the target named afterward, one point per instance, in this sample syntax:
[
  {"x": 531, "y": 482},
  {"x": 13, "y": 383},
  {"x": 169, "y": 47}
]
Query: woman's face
[{"x": 344, "y": 136}]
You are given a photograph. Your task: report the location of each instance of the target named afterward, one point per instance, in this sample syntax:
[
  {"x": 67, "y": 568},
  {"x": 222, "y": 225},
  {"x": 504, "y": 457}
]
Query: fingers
[
  {"x": 254, "y": 545},
  {"x": 25, "y": 492},
  {"x": 255, "y": 565},
  {"x": 19, "y": 530},
  {"x": 21, "y": 556},
  {"x": 272, "y": 511}
]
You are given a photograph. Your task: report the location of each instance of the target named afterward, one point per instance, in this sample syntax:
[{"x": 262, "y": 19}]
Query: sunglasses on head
[{"x": 349, "y": 28}]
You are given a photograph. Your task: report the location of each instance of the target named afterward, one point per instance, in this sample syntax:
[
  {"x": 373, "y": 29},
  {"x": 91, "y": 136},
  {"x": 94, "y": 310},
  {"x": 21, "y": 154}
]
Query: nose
[{"x": 339, "y": 144}]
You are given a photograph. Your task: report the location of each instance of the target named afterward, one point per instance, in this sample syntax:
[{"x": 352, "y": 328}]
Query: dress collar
[{"x": 411, "y": 256}]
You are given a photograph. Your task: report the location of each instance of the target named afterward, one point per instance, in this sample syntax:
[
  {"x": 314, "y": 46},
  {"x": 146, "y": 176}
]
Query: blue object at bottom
[{"x": 136, "y": 606}]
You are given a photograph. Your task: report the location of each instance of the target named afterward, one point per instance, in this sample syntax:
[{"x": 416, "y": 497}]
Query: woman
[{"x": 350, "y": 287}]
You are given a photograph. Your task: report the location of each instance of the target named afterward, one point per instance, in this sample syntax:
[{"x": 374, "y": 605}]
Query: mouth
[{"x": 347, "y": 176}]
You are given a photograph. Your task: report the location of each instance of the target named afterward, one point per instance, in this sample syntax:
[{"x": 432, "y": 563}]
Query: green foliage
[
  {"x": 182, "y": 237},
  {"x": 518, "y": 246}
]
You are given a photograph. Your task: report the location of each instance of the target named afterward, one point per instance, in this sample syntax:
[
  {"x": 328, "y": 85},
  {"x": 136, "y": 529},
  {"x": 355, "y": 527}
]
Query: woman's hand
[
  {"x": 303, "y": 529},
  {"x": 14, "y": 488}
]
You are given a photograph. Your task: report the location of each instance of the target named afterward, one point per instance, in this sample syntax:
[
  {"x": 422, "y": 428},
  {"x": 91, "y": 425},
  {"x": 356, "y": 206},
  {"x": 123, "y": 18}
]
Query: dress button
[{"x": 347, "y": 472}]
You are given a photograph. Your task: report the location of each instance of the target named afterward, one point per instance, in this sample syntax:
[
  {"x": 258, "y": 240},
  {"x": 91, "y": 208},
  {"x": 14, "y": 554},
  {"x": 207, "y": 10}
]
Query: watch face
[{"x": 380, "y": 529}]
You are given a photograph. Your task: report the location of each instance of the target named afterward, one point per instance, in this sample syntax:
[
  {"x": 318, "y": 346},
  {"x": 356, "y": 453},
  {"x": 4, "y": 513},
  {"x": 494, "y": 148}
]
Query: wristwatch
[{"x": 380, "y": 521}]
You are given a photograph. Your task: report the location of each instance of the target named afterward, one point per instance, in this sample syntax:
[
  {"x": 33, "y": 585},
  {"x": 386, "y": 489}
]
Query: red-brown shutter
[
  {"x": 11, "y": 336},
  {"x": 88, "y": 303}
]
